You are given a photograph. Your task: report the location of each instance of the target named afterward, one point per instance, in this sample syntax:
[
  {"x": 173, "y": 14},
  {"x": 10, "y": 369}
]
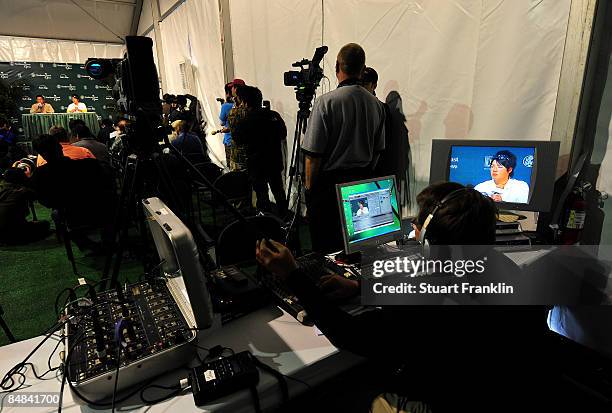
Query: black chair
[
  {"x": 67, "y": 233},
  {"x": 211, "y": 172},
  {"x": 200, "y": 188},
  {"x": 236, "y": 187},
  {"x": 236, "y": 243}
]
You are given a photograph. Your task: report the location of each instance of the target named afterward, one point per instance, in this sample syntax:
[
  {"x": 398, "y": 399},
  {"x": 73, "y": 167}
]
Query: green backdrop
[{"x": 57, "y": 82}]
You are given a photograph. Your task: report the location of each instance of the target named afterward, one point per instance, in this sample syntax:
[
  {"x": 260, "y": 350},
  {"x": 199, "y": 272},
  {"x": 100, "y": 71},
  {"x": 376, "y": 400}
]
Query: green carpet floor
[{"x": 31, "y": 277}]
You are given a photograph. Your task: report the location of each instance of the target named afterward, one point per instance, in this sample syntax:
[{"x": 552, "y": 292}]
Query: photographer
[
  {"x": 168, "y": 104},
  {"x": 345, "y": 133},
  {"x": 262, "y": 131},
  {"x": 223, "y": 117},
  {"x": 179, "y": 111},
  {"x": 188, "y": 143},
  {"x": 85, "y": 139},
  {"x": 235, "y": 117},
  {"x": 69, "y": 150}
]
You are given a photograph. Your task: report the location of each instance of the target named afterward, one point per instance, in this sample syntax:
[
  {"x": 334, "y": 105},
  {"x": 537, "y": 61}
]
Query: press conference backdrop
[{"x": 56, "y": 82}]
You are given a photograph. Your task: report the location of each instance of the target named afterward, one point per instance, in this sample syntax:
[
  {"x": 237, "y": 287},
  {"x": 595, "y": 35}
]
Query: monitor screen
[
  {"x": 370, "y": 212},
  {"x": 505, "y": 174},
  {"x": 517, "y": 174}
]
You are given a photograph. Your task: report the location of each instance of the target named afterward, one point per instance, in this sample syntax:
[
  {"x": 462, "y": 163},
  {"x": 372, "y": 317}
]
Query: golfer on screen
[{"x": 502, "y": 187}]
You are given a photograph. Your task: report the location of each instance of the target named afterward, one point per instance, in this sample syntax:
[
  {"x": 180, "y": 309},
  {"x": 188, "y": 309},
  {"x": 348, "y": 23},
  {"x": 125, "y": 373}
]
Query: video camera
[
  {"x": 136, "y": 90},
  {"x": 308, "y": 78}
]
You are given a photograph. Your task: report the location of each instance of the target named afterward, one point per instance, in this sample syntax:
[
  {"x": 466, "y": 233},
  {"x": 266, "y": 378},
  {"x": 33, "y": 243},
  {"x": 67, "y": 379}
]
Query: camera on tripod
[
  {"x": 306, "y": 81},
  {"x": 136, "y": 90},
  {"x": 308, "y": 78}
]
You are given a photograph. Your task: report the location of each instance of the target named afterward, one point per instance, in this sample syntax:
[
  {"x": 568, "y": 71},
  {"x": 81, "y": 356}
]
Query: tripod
[
  {"x": 134, "y": 188},
  {"x": 300, "y": 128}
]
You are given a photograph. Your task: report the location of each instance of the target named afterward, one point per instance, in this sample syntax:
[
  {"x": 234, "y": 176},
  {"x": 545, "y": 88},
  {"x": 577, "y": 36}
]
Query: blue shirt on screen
[{"x": 225, "y": 110}]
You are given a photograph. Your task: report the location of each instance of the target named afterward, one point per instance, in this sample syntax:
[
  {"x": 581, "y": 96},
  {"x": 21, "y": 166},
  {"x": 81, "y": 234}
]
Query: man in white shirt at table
[{"x": 76, "y": 106}]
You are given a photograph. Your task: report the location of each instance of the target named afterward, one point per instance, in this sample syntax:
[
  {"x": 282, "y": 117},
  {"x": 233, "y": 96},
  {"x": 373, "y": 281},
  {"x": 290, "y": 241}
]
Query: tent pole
[
  {"x": 158, "y": 45},
  {"x": 226, "y": 40}
]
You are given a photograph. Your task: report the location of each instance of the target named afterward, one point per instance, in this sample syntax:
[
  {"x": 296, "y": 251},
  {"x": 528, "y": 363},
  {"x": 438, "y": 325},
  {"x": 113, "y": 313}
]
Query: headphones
[{"x": 423, "y": 234}]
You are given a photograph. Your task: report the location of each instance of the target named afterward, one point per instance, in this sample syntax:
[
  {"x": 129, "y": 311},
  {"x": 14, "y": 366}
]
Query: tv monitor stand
[{"x": 508, "y": 230}]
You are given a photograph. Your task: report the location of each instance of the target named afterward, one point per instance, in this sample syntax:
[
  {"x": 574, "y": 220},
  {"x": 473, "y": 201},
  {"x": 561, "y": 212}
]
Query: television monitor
[
  {"x": 369, "y": 212},
  {"x": 517, "y": 175}
]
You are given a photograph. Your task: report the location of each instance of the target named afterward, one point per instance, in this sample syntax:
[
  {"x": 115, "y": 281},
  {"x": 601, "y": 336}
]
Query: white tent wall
[
  {"x": 192, "y": 31},
  {"x": 464, "y": 68},
  {"x": 267, "y": 37},
  {"x": 175, "y": 46},
  {"x": 424, "y": 54},
  {"x": 64, "y": 51},
  {"x": 207, "y": 61}
]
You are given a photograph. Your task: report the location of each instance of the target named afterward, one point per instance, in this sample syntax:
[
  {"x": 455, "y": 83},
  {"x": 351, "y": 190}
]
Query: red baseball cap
[{"x": 237, "y": 82}]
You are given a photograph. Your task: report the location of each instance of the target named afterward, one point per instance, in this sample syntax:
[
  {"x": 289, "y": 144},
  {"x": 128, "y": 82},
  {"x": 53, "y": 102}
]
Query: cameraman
[{"x": 345, "y": 133}]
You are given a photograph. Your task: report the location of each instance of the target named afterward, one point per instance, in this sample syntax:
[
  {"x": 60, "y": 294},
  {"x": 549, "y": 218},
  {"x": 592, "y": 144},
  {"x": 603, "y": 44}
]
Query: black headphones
[{"x": 423, "y": 234}]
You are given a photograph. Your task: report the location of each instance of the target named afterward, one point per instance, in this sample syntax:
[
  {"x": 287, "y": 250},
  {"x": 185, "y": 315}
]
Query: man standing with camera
[{"x": 345, "y": 134}]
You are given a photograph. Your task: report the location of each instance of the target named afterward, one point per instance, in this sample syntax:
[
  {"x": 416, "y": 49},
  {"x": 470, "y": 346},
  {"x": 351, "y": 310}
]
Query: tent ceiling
[{"x": 62, "y": 19}]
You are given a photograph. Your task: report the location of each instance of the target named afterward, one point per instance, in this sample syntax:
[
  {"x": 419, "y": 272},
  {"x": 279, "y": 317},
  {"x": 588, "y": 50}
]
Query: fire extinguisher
[{"x": 575, "y": 214}]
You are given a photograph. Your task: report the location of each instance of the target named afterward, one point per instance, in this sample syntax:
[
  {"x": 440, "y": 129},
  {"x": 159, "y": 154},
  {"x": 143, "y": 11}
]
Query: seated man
[
  {"x": 70, "y": 151},
  {"x": 85, "y": 139},
  {"x": 436, "y": 347},
  {"x": 79, "y": 191},
  {"x": 41, "y": 106},
  {"x": 188, "y": 143},
  {"x": 15, "y": 197},
  {"x": 76, "y": 106}
]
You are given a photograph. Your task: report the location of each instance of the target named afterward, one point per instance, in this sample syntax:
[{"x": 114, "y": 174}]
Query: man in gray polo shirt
[{"x": 345, "y": 134}]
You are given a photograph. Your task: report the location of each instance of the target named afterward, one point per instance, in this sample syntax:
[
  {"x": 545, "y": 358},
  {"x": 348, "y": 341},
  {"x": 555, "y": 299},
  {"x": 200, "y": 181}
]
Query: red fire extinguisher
[{"x": 575, "y": 215}]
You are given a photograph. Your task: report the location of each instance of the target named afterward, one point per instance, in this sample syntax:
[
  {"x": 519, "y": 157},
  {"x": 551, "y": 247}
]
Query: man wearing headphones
[{"x": 440, "y": 345}]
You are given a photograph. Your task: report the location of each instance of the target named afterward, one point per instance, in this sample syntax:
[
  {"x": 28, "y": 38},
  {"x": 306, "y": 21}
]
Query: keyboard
[{"x": 314, "y": 266}]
